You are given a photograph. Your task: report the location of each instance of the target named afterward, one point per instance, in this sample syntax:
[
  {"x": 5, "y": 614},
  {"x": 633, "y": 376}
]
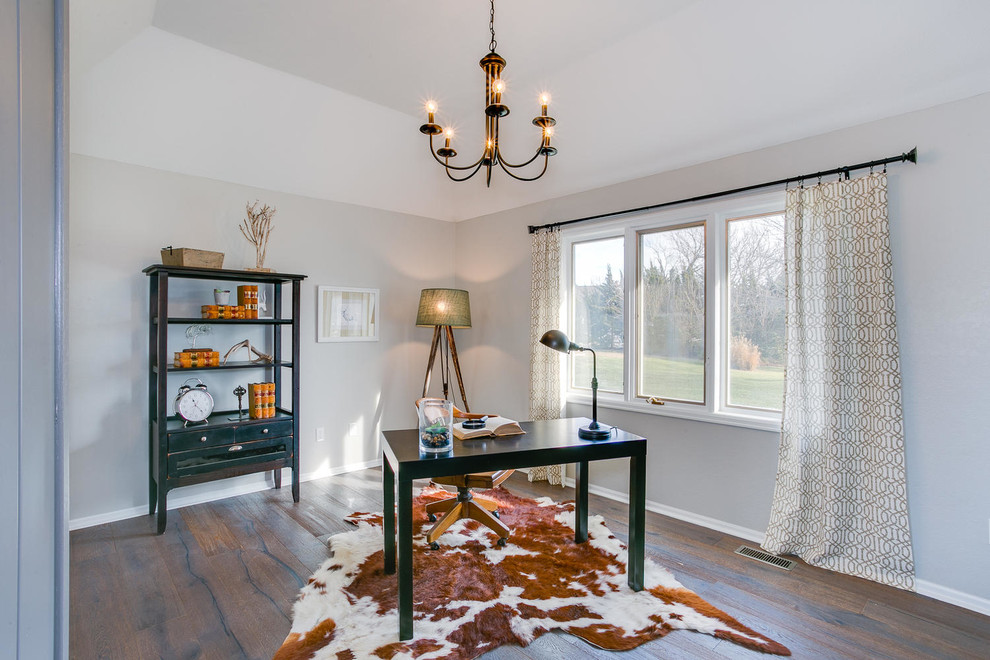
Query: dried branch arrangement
[
  {"x": 256, "y": 228},
  {"x": 261, "y": 357}
]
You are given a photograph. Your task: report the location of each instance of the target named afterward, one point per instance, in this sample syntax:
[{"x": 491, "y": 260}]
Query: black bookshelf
[{"x": 180, "y": 455}]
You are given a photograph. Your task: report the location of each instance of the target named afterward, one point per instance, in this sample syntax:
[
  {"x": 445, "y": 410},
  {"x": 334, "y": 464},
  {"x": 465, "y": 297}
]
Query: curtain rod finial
[{"x": 912, "y": 155}]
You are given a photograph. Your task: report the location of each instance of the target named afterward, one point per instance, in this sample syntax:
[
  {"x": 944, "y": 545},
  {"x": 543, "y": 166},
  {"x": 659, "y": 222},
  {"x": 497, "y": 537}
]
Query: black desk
[{"x": 545, "y": 443}]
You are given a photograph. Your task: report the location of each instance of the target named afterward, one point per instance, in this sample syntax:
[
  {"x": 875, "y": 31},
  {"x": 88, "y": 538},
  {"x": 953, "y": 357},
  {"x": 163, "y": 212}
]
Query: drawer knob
[
  {"x": 203, "y": 439},
  {"x": 264, "y": 430},
  {"x": 236, "y": 448}
]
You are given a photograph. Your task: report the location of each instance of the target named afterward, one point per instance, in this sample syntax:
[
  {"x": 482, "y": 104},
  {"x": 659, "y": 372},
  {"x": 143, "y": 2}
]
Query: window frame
[{"x": 714, "y": 215}]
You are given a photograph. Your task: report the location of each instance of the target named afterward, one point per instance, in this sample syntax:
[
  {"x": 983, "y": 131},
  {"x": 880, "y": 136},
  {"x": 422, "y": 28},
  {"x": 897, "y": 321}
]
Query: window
[
  {"x": 699, "y": 323},
  {"x": 756, "y": 311},
  {"x": 597, "y": 318},
  {"x": 671, "y": 305}
]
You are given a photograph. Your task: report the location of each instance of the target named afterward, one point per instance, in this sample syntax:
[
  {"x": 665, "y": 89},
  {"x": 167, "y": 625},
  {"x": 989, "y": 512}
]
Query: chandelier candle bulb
[
  {"x": 445, "y": 151},
  {"x": 430, "y": 128}
]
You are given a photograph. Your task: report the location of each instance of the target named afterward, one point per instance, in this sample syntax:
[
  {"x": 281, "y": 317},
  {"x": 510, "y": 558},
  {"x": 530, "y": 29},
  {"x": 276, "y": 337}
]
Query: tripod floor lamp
[{"x": 444, "y": 310}]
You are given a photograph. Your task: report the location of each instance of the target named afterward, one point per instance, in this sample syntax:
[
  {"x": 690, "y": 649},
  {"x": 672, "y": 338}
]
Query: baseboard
[
  {"x": 226, "y": 489},
  {"x": 953, "y": 596},
  {"x": 332, "y": 471},
  {"x": 923, "y": 587},
  {"x": 680, "y": 514}
]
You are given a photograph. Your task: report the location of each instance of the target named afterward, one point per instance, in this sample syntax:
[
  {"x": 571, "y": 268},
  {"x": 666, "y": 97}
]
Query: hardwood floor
[{"x": 221, "y": 581}]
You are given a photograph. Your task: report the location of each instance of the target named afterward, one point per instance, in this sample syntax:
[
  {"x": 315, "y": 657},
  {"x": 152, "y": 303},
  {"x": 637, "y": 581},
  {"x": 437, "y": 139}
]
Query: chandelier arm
[
  {"x": 454, "y": 178},
  {"x": 505, "y": 163},
  {"x": 453, "y": 167},
  {"x": 546, "y": 161}
]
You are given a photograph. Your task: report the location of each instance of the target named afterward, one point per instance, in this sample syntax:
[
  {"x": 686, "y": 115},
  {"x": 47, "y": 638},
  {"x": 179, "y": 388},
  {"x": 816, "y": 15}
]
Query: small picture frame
[{"x": 346, "y": 314}]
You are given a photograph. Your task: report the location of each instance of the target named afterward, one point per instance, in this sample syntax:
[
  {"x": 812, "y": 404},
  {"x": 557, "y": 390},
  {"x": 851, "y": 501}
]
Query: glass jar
[{"x": 436, "y": 421}]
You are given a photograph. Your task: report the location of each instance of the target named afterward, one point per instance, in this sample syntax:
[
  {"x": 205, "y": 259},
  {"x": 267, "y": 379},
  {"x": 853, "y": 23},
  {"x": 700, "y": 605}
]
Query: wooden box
[{"x": 190, "y": 257}]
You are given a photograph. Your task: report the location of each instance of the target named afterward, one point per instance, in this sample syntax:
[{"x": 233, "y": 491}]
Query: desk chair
[{"x": 464, "y": 505}]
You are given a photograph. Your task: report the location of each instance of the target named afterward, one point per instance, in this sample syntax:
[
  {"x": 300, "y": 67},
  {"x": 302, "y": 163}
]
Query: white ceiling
[{"x": 324, "y": 98}]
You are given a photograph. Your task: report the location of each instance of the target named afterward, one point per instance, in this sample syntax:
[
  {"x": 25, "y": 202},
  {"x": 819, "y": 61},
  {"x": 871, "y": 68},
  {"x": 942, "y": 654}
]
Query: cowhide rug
[{"x": 472, "y": 596}]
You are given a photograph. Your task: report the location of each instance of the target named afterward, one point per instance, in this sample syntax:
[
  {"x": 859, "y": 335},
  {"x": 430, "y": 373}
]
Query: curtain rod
[{"x": 910, "y": 156}]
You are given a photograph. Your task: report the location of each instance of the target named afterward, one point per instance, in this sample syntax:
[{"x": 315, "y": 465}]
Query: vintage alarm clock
[{"x": 193, "y": 404}]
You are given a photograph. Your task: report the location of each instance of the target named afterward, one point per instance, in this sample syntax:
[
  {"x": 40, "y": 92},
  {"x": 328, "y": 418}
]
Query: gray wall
[
  {"x": 940, "y": 232},
  {"x": 122, "y": 214},
  {"x": 32, "y": 557}
]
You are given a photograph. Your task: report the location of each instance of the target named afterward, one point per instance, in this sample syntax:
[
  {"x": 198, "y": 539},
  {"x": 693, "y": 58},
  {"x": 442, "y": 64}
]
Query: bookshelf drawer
[
  {"x": 201, "y": 461},
  {"x": 272, "y": 429},
  {"x": 200, "y": 438}
]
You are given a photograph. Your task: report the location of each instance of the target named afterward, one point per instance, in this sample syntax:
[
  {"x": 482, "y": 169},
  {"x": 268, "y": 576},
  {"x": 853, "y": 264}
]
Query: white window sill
[{"x": 683, "y": 411}]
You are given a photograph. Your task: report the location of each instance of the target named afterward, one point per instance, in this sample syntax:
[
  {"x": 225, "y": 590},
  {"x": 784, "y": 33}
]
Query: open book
[{"x": 494, "y": 427}]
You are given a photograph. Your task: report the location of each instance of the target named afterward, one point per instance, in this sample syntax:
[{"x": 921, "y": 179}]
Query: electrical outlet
[
  {"x": 352, "y": 430},
  {"x": 319, "y": 434}
]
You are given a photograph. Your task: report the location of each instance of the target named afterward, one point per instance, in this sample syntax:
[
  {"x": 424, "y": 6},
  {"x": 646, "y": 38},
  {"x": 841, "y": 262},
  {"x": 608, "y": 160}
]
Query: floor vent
[{"x": 765, "y": 557}]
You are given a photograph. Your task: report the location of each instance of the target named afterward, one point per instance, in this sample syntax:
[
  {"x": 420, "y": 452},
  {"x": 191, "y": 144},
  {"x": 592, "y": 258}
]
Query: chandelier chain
[{"x": 491, "y": 26}]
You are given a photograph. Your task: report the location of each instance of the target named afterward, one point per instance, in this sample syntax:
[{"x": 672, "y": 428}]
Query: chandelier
[{"x": 493, "y": 64}]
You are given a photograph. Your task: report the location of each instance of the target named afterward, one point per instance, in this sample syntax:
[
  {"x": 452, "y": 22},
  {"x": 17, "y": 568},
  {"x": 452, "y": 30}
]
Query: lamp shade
[
  {"x": 444, "y": 307},
  {"x": 558, "y": 341}
]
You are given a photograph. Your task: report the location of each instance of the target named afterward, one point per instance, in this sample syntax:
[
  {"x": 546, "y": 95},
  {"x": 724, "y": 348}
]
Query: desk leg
[
  {"x": 388, "y": 515},
  {"x": 637, "y": 521},
  {"x": 405, "y": 558},
  {"x": 581, "y": 502}
]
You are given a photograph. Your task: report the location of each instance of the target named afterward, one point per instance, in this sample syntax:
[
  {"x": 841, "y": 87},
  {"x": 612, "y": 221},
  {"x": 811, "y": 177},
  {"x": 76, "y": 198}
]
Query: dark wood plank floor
[{"x": 221, "y": 581}]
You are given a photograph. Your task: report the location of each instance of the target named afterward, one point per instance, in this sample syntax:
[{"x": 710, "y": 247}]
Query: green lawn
[
  {"x": 678, "y": 379},
  {"x": 760, "y": 388}
]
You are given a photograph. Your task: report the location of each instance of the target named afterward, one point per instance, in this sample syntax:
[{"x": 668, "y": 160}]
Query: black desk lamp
[{"x": 558, "y": 341}]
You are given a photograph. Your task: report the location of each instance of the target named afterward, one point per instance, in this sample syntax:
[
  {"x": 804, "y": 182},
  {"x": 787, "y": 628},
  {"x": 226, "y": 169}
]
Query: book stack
[
  {"x": 223, "y": 311},
  {"x": 193, "y": 358},
  {"x": 247, "y": 297},
  {"x": 261, "y": 400}
]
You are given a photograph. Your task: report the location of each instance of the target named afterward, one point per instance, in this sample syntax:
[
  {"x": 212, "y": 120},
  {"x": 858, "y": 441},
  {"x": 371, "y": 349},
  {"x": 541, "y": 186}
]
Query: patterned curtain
[
  {"x": 544, "y": 364},
  {"x": 840, "y": 500}
]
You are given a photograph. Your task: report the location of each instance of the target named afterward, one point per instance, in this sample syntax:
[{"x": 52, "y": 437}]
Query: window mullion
[
  {"x": 717, "y": 314},
  {"x": 566, "y": 311},
  {"x": 631, "y": 281}
]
